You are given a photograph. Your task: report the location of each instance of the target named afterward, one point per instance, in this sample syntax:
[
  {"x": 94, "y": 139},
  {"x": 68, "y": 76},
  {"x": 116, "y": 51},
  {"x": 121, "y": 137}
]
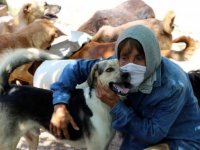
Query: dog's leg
[
  {"x": 32, "y": 138},
  {"x": 22, "y": 74},
  {"x": 9, "y": 133},
  {"x": 99, "y": 139},
  {"x": 9, "y": 143}
]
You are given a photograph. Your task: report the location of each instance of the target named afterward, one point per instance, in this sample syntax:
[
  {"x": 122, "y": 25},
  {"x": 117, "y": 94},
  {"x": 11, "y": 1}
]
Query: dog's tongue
[{"x": 121, "y": 89}]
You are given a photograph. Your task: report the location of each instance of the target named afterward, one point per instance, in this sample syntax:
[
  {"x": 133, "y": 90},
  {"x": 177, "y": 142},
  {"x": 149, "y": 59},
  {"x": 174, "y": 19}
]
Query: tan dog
[
  {"x": 29, "y": 13},
  {"x": 186, "y": 53},
  {"x": 162, "y": 29},
  {"x": 39, "y": 34}
]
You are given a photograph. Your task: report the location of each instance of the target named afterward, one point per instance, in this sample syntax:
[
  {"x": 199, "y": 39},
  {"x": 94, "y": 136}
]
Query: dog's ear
[
  {"x": 27, "y": 8},
  {"x": 59, "y": 33},
  {"x": 168, "y": 22},
  {"x": 93, "y": 75}
]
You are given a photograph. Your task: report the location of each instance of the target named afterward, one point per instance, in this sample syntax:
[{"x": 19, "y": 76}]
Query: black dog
[{"x": 24, "y": 109}]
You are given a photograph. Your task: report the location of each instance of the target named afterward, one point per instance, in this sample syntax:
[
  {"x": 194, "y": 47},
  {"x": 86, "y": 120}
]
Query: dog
[
  {"x": 39, "y": 34},
  {"x": 48, "y": 72},
  {"x": 95, "y": 50},
  {"x": 162, "y": 29},
  {"x": 22, "y": 110},
  {"x": 125, "y": 12},
  {"x": 28, "y": 14}
]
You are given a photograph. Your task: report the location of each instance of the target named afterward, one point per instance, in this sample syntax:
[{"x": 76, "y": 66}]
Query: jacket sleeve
[
  {"x": 73, "y": 74},
  {"x": 150, "y": 130}
]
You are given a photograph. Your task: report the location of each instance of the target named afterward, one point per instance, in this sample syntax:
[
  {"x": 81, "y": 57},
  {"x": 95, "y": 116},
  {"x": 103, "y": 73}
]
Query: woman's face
[{"x": 131, "y": 55}]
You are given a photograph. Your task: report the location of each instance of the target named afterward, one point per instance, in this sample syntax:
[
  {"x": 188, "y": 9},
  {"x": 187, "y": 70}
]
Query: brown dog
[
  {"x": 29, "y": 13},
  {"x": 39, "y": 34},
  {"x": 162, "y": 29},
  {"x": 95, "y": 50},
  {"x": 129, "y": 10},
  {"x": 104, "y": 50}
]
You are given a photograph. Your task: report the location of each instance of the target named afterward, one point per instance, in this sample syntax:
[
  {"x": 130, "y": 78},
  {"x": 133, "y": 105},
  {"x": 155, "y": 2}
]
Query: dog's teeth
[{"x": 121, "y": 89}]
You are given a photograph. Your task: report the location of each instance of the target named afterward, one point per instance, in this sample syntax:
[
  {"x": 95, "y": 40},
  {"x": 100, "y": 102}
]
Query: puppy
[
  {"x": 22, "y": 107},
  {"x": 29, "y": 13},
  {"x": 39, "y": 34}
]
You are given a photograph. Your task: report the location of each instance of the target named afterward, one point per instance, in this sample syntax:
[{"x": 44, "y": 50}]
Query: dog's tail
[
  {"x": 186, "y": 53},
  {"x": 15, "y": 58},
  {"x": 195, "y": 81}
]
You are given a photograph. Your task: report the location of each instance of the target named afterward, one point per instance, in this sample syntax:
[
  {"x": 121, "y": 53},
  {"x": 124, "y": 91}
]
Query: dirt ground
[
  {"x": 75, "y": 12},
  {"x": 47, "y": 142}
]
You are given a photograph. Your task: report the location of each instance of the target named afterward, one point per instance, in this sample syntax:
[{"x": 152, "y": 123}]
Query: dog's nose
[{"x": 125, "y": 75}]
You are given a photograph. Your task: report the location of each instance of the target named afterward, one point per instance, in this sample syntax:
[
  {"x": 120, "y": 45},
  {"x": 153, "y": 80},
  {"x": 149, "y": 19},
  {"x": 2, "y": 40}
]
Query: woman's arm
[
  {"x": 155, "y": 128},
  {"x": 73, "y": 74}
]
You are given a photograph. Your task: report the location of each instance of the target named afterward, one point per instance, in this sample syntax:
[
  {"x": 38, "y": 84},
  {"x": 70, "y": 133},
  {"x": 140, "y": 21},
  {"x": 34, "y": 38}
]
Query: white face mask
[{"x": 136, "y": 72}]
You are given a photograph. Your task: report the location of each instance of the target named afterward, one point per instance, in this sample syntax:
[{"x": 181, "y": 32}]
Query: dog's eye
[{"x": 109, "y": 69}]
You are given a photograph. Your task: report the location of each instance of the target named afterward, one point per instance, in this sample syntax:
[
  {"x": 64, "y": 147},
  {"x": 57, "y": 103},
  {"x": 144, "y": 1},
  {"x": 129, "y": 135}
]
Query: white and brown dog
[{"x": 24, "y": 109}]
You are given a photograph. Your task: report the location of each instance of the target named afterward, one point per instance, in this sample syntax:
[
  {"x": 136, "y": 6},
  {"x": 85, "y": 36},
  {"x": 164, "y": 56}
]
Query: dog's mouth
[
  {"x": 50, "y": 16},
  {"x": 120, "y": 88}
]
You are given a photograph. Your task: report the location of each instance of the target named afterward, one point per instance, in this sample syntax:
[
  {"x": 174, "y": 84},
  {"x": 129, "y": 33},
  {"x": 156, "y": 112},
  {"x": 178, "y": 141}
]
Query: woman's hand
[
  {"x": 105, "y": 94},
  {"x": 60, "y": 120}
]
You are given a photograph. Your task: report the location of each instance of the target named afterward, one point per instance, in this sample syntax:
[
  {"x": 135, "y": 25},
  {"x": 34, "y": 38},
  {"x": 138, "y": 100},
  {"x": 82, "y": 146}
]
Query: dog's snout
[{"x": 125, "y": 75}]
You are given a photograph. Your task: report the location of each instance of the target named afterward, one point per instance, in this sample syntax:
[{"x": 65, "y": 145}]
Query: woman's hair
[{"x": 130, "y": 43}]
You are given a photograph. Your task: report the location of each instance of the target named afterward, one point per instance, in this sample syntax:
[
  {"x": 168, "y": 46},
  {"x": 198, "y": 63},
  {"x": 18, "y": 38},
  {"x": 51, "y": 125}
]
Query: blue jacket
[{"x": 169, "y": 113}]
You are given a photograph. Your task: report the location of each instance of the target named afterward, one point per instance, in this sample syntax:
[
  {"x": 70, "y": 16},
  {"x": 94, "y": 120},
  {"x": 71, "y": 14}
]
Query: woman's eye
[
  {"x": 139, "y": 58},
  {"x": 109, "y": 69},
  {"x": 124, "y": 58}
]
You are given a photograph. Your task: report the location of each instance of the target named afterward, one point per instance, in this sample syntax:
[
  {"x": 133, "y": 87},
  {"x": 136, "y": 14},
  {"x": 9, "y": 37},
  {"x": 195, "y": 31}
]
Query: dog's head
[
  {"x": 32, "y": 11},
  {"x": 109, "y": 73}
]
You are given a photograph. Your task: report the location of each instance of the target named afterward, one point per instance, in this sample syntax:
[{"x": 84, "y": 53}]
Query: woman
[{"x": 161, "y": 109}]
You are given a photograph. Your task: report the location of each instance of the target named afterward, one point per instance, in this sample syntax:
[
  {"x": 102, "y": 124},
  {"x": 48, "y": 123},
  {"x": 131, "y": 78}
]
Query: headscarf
[{"x": 151, "y": 50}]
